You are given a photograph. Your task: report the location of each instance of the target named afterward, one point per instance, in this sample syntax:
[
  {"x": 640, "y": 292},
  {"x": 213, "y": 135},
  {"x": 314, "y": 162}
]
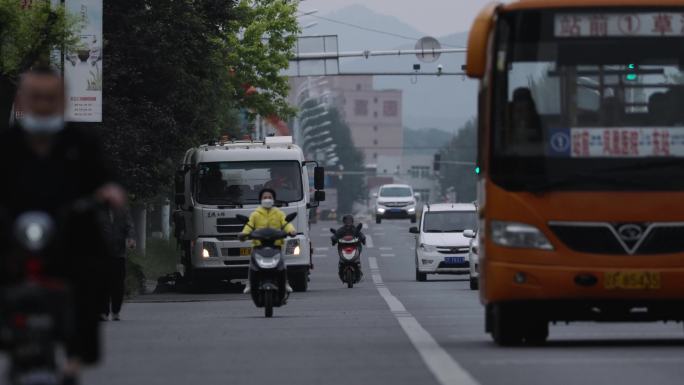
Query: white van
[{"x": 441, "y": 247}]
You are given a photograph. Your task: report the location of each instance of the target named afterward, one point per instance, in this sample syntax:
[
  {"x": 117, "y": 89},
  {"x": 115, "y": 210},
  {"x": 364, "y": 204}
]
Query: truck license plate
[
  {"x": 632, "y": 280},
  {"x": 245, "y": 251}
]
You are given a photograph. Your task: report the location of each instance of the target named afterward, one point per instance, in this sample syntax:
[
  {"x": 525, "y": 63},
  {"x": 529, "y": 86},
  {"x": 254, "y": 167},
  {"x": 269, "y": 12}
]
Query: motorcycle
[
  {"x": 267, "y": 270},
  {"x": 349, "y": 250},
  {"x": 35, "y": 315}
]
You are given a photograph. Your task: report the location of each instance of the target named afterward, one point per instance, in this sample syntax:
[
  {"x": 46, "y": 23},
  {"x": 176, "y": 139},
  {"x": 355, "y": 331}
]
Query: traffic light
[
  {"x": 632, "y": 72},
  {"x": 438, "y": 162},
  {"x": 477, "y": 170}
]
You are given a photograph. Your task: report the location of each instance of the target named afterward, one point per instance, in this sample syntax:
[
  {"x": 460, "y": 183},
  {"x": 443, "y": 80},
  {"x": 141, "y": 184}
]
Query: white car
[
  {"x": 395, "y": 201},
  {"x": 441, "y": 247},
  {"x": 474, "y": 258}
]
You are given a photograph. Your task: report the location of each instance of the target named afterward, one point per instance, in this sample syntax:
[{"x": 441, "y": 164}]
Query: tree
[
  {"x": 461, "y": 178},
  {"x": 22, "y": 44},
  {"x": 351, "y": 188},
  {"x": 177, "y": 72}
]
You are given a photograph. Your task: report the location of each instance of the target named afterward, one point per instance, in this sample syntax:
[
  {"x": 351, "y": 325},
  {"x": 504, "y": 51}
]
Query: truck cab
[{"x": 218, "y": 181}]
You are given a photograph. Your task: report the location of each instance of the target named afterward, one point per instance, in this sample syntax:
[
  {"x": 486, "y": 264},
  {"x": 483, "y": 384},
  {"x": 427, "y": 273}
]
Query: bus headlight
[{"x": 519, "y": 235}]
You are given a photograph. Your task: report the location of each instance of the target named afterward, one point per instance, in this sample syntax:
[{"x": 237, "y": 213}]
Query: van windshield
[
  {"x": 395, "y": 192},
  {"x": 238, "y": 183},
  {"x": 450, "y": 222}
]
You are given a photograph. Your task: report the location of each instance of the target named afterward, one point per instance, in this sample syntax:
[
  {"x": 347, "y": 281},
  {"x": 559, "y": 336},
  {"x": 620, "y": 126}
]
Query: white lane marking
[
  {"x": 388, "y": 255},
  {"x": 586, "y": 361},
  {"x": 386, "y": 248},
  {"x": 379, "y": 234},
  {"x": 445, "y": 369},
  {"x": 323, "y": 249},
  {"x": 369, "y": 241},
  {"x": 320, "y": 256}
]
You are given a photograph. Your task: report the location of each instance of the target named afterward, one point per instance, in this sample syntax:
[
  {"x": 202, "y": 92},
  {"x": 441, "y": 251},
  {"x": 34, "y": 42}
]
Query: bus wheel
[{"x": 506, "y": 326}]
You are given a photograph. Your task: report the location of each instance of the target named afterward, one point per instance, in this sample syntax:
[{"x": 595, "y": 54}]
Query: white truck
[{"x": 220, "y": 180}]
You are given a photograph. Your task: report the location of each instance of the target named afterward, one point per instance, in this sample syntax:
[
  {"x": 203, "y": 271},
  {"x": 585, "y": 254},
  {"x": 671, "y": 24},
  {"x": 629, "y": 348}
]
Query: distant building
[{"x": 374, "y": 116}]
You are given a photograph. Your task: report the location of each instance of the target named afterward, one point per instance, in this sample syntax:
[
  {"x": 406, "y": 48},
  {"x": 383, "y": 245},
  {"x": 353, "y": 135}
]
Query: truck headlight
[
  {"x": 519, "y": 235},
  {"x": 209, "y": 250},
  {"x": 292, "y": 247},
  {"x": 428, "y": 248}
]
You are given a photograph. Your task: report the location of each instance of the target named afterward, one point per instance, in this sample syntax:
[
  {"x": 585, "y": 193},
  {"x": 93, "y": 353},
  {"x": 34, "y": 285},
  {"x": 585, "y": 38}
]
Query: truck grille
[
  {"x": 605, "y": 238},
  {"x": 229, "y": 225}
]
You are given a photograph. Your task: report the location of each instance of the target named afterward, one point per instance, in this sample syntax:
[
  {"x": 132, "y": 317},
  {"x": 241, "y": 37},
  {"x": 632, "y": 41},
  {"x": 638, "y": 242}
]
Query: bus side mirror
[
  {"x": 319, "y": 178},
  {"x": 469, "y": 234},
  {"x": 319, "y": 196}
]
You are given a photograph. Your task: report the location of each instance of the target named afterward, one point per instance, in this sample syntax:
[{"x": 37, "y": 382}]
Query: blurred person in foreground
[
  {"x": 48, "y": 165},
  {"x": 120, "y": 233}
]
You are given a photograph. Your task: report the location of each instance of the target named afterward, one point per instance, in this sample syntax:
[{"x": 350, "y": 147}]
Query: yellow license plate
[
  {"x": 245, "y": 251},
  {"x": 632, "y": 280}
]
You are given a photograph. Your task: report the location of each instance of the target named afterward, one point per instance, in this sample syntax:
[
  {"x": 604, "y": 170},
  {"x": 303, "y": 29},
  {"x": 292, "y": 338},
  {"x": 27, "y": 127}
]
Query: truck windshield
[
  {"x": 589, "y": 101},
  {"x": 238, "y": 183},
  {"x": 395, "y": 192},
  {"x": 450, "y": 222}
]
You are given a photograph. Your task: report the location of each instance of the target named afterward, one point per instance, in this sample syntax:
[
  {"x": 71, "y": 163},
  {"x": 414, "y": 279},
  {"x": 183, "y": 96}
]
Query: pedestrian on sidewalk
[{"x": 121, "y": 236}]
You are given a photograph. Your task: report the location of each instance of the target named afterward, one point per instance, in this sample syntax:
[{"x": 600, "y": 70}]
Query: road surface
[{"x": 389, "y": 329}]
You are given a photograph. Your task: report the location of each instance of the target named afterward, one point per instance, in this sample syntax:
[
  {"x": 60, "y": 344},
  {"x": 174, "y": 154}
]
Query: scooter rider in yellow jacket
[{"x": 267, "y": 216}]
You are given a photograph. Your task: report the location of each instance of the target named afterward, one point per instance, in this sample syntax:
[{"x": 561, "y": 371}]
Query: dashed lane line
[
  {"x": 445, "y": 369},
  {"x": 369, "y": 242},
  {"x": 385, "y": 248},
  {"x": 388, "y": 255}
]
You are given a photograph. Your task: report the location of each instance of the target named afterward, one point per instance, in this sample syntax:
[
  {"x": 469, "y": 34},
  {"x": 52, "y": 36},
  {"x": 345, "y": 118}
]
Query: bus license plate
[
  {"x": 633, "y": 280},
  {"x": 245, "y": 251}
]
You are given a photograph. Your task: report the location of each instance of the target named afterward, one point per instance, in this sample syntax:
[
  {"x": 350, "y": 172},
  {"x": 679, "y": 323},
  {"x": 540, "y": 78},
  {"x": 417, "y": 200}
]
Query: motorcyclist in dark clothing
[
  {"x": 47, "y": 166},
  {"x": 348, "y": 228}
]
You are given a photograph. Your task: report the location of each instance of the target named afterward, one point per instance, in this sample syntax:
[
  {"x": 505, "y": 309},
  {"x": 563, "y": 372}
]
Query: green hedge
[{"x": 161, "y": 259}]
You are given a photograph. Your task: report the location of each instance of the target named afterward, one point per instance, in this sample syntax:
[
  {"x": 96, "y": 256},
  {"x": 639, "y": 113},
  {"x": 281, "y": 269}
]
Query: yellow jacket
[{"x": 262, "y": 218}]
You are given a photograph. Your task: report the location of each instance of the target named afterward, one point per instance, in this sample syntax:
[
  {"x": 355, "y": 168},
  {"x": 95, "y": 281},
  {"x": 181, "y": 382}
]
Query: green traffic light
[
  {"x": 477, "y": 170},
  {"x": 631, "y": 66},
  {"x": 632, "y": 77}
]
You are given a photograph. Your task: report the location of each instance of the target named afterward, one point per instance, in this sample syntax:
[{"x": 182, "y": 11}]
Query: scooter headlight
[
  {"x": 34, "y": 230},
  {"x": 267, "y": 262}
]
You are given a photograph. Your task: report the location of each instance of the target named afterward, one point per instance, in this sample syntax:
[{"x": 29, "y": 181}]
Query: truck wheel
[
  {"x": 474, "y": 283},
  {"x": 507, "y": 328},
  {"x": 378, "y": 220},
  {"x": 420, "y": 277},
  {"x": 300, "y": 281}
]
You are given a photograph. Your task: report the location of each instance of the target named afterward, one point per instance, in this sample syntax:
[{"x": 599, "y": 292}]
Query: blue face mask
[{"x": 42, "y": 124}]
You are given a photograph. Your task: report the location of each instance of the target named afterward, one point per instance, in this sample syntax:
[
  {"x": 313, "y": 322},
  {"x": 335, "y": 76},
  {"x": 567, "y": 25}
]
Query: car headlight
[
  {"x": 381, "y": 210},
  {"x": 520, "y": 235},
  {"x": 411, "y": 209},
  {"x": 267, "y": 262},
  {"x": 428, "y": 248},
  {"x": 209, "y": 250},
  {"x": 292, "y": 247}
]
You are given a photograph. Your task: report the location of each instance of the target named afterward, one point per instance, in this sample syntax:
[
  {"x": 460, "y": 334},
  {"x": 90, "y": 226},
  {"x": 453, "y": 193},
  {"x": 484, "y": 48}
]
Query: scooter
[
  {"x": 35, "y": 312},
  {"x": 349, "y": 250},
  {"x": 267, "y": 270}
]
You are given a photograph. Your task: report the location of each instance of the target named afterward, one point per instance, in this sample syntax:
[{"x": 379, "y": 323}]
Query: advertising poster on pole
[{"x": 83, "y": 64}]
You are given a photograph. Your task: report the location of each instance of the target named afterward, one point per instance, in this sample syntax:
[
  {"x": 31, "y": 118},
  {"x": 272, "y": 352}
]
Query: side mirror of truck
[
  {"x": 180, "y": 187},
  {"x": 319, "y": 178},
  {"x": 414, "y": 230},
  {"x": 469, "y": 234},
  {"x": 319, "y": 196},
  {"x": 243, "y": 219},
  {"x": 290, "y": 217}
]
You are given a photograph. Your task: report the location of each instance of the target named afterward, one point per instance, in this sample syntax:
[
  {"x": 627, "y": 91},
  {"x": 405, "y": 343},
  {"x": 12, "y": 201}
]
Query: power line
[{"x": 412, "y": 38}]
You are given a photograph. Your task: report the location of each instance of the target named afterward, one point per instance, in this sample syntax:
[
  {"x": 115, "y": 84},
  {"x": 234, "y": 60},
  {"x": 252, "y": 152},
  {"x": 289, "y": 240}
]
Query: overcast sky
[{"x": 433, "y": 17}]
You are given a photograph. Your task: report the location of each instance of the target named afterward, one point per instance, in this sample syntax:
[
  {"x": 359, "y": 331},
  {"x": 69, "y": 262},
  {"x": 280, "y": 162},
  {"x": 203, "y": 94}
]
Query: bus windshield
[
  {"x": 239, "y": 183},
  {"x": 589, "y": 101}
]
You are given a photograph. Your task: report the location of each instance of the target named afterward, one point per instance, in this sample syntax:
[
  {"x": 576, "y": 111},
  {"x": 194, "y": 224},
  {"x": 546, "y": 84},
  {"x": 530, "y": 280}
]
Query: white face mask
[
  {"x": 42, "y": 125},
  {"x": 267, "y": 203}
]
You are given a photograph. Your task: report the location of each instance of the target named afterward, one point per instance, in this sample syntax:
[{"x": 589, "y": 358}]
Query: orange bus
[{"x": 581, "y": 158}]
